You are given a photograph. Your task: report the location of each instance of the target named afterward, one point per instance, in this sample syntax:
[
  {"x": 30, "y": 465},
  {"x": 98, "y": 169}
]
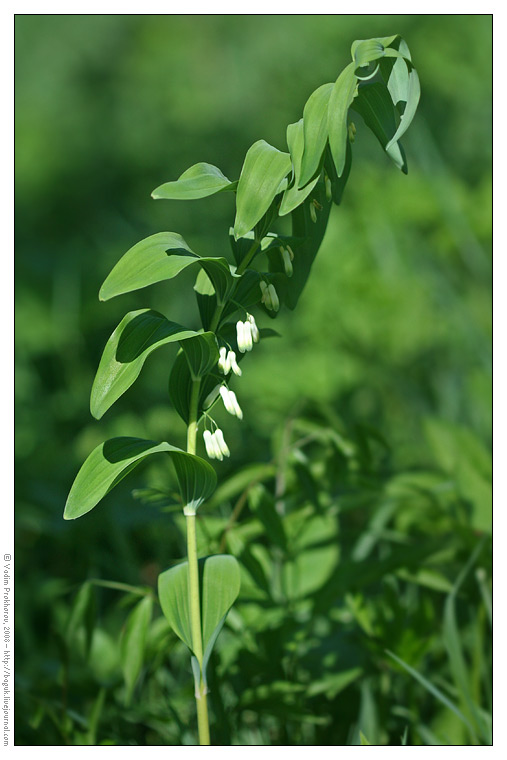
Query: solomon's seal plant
[{"x": 268, "y": 270}]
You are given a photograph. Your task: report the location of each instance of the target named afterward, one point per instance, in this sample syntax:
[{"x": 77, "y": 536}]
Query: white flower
[
  {"x": 233, "y": 364},
  {"x": 240, "y": 336},
  {"x": 223, "y": 363},
  {"x": 236, "y": 406},
  {"x": 231, "y": 402},
  {"x": 244, "y": 336},
  {"x": 247, "y": 327},
  {"x": 253, "y": 328},
  {"x": 216, "y": 447},
  {"x": 227, "y": 361},
  {"x": 208, "y": 442},
  {"x": 219, "y": 438}
]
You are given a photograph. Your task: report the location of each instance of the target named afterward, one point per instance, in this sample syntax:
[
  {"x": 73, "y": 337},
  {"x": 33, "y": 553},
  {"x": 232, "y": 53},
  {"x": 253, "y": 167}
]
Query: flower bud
[
  {"x": 231, "y": 357},
  {"x": 208, "y": 442},
  {"x": 231, "y": 402},
  {"x": 223, "y": 362},
  {"x": 247, "y": 333},
  {"x": 211, "y": 397},
  {"x": 329, "y": 188},
  {"x": 240, "y": 336},
  {"x": 287, "y": 262},
  {"x": 253, "y": 328},
  {"x": 216, "y": 447},
  {"x": 235, "y": 405},
  {"x": 273, "y": 297},
  {"x": 219, "y": 438}
]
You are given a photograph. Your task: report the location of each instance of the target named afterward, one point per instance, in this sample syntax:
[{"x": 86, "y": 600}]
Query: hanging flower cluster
[
  {"x": 269, "y": 296},
  {"x": 231, "y": 402},
  {"x": 216, "y": 447},
  {"x": 227, "y": 361},
  {"x": 247, "y": 334}
]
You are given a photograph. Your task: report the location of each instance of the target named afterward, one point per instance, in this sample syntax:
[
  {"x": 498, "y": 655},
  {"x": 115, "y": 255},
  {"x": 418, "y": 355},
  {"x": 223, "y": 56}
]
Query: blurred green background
[{"x": 392, "y": 333}]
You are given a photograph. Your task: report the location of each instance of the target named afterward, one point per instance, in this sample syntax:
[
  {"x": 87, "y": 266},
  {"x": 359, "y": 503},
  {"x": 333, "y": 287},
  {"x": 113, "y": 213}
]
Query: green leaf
[
  {"x": 315, "y": 132},
  {"x": 220, "y": 589},
  {"x": 340, "y": 100},
  {"x": 214, "y": 284},
  {"x": 240, "y": 481},
  {"x": 396, "y": 74},
  {"x": 111, "y": 461},
  {"x": 180, "y": 386},
  {"x": 412, "y": 96},
  {"x": 312, "y": 234},
  {"x": 262, "y": 505},
  {"x": 293, "y": 196},
  {"x": 365, "y": 51},
  {"x": 333, "y": 683},
  {"x": 219, "y": 580},
  {"x": 263, "y": 170},
  {"x": 173, "y": 594},
  {"x": 220, "y": 275},
  {"x": 158, "y": 257},
  {"x": 206, "y": 298},
  {"x": 337, "y": 183},
  {"x": 202, "y": 354},
  {"x": 82, "y": 615},
  {"x": 138, "y": 334},
  {"x": 364, "y": 740},
  {"x": 452, "y": 637},
  {"x": 199, "y": 181},
  {"x": 94, "y": 718},
  {"x": 133, "y": 644},
  {"x": 162, "y": 257},
  {"x": 374, "y": 104},
  {"x": 429, "y": 687}
]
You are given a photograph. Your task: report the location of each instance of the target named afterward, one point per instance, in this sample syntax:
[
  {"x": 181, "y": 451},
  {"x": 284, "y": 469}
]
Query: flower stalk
[{"x": 193, "y": 581}]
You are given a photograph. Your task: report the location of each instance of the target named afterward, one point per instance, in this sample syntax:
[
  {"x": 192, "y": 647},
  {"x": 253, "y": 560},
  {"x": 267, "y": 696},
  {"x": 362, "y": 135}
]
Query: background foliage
[{"x": 370, "y": 419}]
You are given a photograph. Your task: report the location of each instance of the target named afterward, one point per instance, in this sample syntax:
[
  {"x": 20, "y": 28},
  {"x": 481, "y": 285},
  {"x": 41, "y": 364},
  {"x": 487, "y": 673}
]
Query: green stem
[
  {"x": 193, "y": 566},
  {"x": 192, "y": 417},
  {"x": 195, "y": 625},
  {"x": 249, "y": 256},
  {"x": 193, "y": 580}
]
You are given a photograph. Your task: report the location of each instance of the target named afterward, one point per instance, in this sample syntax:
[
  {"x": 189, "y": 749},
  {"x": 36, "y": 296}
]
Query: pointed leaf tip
[
  {"x": 199, "y": 181},
  {"x": 111, "y": 461},
  {"x": 263, "y": 170}
]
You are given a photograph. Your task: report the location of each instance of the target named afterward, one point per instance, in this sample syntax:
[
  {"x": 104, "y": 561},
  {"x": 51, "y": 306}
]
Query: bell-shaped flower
[
  {"x": 219, "y": 438},
  {"x": 223, "y": 362},
  {"x": 253, "y": 328},
  {"x": 233, "y": 364},
  {"x": 269, "y": 296},
  {"x": 287, "y": 257},
  {"x": 244, "y": 336},
  {"x": 273, "y": 295},
  {"x": 208, "y": 442},
  {"x": 231, "y": 402}
]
